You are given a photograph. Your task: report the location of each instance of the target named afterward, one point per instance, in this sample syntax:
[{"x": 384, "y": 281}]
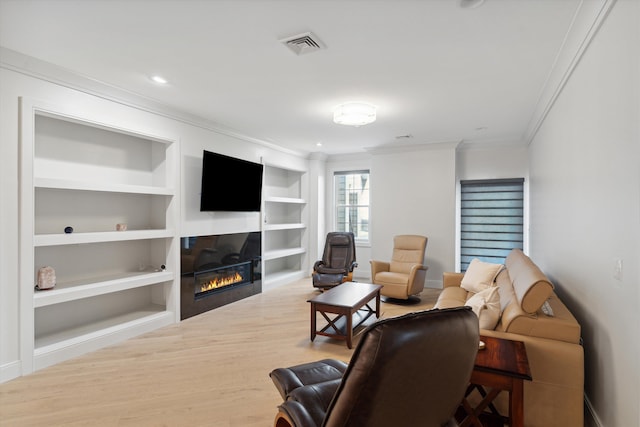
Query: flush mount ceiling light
[
  {"x": 354, "y": 114},
  {"x": 158, "y": 79}
]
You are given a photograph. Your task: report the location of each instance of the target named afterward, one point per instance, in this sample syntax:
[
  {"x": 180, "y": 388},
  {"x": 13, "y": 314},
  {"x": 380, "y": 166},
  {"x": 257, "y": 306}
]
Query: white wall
[
  {"x": 585, "y": 210},
  {"x": 413, "y": 192},
  {"x": 316, "y": 207},
  {"x": 492, "y": 161}
]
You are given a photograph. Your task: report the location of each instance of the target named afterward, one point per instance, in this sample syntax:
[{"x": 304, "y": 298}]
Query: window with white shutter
[{"x": 491, "y": 220}]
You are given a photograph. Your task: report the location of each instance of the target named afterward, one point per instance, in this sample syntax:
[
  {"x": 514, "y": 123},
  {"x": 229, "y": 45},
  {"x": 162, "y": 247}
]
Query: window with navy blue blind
[{"x": 491, "y": 220}]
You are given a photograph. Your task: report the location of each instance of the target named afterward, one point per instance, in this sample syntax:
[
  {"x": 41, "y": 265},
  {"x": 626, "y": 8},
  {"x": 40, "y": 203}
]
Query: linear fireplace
[
  {"x": 221, "y": 278},
  {"x": 218, "y": 270}
]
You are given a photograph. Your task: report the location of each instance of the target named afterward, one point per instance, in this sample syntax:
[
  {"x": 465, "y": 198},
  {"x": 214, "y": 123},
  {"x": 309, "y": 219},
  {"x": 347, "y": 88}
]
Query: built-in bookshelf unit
[
  {"x": 284, "y": 225},
  {"x": 99, "y": 206}
]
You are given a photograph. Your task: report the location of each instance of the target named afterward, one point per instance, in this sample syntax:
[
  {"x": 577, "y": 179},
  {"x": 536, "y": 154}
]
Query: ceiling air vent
[{"x": 303, "y": 43}]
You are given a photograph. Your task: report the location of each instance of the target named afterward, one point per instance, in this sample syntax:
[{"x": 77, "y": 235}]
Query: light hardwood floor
[{"x": 209, "y": 370}]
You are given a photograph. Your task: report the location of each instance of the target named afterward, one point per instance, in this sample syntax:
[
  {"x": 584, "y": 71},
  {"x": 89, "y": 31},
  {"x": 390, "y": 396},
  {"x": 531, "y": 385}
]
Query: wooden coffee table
[
  {"x": 347, "y": 301},
  {"x": 501, "y": 366}
]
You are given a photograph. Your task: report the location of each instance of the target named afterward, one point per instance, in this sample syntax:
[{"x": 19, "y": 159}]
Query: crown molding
[
  {"x": 403, "y": 148},
  {"x": 587, "y": 20},
  {"x": 318, "y": 155},
  {"x": 476, "y": 145},
  {"x": 42, "y": 70}
]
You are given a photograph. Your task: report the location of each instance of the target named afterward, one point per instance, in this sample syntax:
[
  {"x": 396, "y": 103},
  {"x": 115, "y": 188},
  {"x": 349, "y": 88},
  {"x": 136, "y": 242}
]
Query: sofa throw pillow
[
  {"x": 486, "y": 305},
  {"x": 480, "y": 275}
]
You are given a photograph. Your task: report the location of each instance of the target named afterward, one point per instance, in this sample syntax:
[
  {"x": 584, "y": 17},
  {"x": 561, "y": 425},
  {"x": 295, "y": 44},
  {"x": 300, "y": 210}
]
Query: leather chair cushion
[
  {"x": 389, "y": 278},
  {"x": 288, "y": 379},
  {"x": 315, "y": 398}
]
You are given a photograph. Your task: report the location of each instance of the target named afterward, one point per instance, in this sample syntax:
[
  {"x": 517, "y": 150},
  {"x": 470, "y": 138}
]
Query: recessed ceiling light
[
  {"x": 159, "y": 79},
  {"x": 318, "y": 144}
]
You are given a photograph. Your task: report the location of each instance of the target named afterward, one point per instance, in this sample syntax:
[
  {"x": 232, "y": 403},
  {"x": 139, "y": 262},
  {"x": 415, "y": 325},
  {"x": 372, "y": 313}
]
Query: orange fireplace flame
[{"x": 220, "y": 282}]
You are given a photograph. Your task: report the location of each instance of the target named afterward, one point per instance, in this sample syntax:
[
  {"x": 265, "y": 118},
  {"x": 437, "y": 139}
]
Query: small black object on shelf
[{"x": 68, "y": 230}]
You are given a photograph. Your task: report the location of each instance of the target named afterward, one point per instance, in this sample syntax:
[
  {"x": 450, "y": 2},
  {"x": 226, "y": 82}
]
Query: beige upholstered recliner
[{"x": 404, "y": 276}]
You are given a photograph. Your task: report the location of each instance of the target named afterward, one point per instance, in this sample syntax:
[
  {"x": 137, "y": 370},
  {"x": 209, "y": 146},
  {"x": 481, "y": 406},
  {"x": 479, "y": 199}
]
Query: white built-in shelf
[
  {"x": 81, "y": 168},
  {"x": 74, "y": 290},
  {"x": 283, "y": 276},
  {"x": 92, "y": 330},
  {"x": 99, "y": 237},
  {"x": 292, "y": 200},
  {"x": 282, "y": 253},
  {"x": 65, "y": 184},
  {"x": 273, "y": 227},
  {"x": 284, "y": 224}
]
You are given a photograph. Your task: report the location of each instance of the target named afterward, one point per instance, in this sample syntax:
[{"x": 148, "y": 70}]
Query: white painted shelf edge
[
  {"x": 281, "y": 253},
  {"x": 282, "y": 277},
  {"x": 88, "y": 331},
  {"x": 76, "y": 290},
  {"x": 100, "y": 237},
  {"x": 64, "y": 184},
  {"x": 272, "y": 227},
  {"x": 285, "y": 200}
]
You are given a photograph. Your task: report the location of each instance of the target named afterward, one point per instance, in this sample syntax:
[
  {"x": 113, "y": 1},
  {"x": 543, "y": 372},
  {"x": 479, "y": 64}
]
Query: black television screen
[{"x": 230, "y": 184}]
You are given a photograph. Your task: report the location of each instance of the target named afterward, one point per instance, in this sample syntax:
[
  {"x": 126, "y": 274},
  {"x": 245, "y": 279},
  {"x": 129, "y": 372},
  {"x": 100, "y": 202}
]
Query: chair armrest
[
  {"x": 451, "y": 279},
  {"x": 353, "y": 266},
  {"x": 417, "y": 275},
  {"x": 377, "y": 267},
  {"x": 317, "y": 264}
]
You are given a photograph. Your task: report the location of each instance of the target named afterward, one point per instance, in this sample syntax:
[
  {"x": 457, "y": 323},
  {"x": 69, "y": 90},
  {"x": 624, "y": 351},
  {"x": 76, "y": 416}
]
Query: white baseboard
[
  {"x": 594, "y": 420},
  {"x": 10, "y": 371},
  {"x": 433, "y": 284}
]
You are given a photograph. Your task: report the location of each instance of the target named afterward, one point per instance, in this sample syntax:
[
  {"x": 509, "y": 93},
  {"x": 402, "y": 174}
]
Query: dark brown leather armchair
[
  {"x": 338, "y": 261},
  {"x": 410, "y": 370}
]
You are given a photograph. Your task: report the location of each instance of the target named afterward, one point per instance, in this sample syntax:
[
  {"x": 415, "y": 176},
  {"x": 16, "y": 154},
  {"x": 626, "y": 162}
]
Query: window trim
[{"x": 334, "y": 207}]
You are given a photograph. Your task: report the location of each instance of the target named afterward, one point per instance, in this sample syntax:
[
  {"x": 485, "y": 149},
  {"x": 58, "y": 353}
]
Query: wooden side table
[{"x": 501, "y": 366}]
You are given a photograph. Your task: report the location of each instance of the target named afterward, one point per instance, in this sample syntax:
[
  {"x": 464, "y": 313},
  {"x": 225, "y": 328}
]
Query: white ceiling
[{"x": 435, "y": 70}]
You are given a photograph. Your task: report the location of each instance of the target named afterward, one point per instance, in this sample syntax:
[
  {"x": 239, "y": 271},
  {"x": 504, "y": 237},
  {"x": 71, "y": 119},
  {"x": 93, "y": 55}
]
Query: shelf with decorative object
[
  {"x": 77, "y": 289},
  {"x": 97, "y": 237},
  {"x": 100, "y": 214}
]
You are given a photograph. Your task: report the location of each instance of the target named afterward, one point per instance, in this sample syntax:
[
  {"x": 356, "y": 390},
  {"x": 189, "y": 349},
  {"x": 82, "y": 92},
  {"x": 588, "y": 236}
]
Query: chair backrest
[
  {"x": 408, "y": 250},
  {"x": 339, "y": 250},
  {"x": 407, "y": 371}
]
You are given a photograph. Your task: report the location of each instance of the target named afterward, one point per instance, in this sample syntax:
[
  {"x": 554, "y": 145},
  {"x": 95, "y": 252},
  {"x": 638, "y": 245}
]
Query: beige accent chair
[{"x": 402, "y": 278}]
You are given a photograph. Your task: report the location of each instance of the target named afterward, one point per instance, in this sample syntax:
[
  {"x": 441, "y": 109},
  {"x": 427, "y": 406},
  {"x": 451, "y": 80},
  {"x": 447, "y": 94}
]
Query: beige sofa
[{"x": 551, "y": 335}]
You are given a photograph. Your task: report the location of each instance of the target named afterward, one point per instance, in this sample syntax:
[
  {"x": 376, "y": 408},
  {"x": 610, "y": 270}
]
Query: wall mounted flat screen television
[{"x": 230, "y": 184}]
